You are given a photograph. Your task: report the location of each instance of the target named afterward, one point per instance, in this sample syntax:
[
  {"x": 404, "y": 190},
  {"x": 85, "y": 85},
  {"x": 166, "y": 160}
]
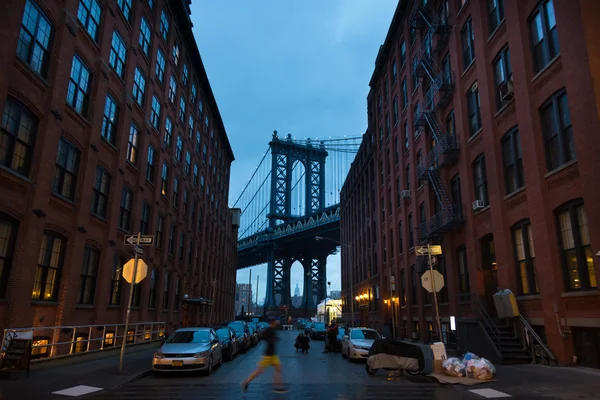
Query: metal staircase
[{"x": 435, "y": 28}]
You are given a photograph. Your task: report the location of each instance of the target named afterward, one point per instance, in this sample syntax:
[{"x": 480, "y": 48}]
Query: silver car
[
  {"x": 357, "y": 342},
  {"x": 189, "y": 349}
]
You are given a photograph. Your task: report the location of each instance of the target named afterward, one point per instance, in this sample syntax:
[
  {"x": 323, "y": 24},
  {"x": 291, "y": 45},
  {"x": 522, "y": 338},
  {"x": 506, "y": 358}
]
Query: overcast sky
[{"x": 300, "y": 67}]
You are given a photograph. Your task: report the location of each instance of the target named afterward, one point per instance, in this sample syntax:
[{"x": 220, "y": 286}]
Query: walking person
[{"x": 270, "y": 359}]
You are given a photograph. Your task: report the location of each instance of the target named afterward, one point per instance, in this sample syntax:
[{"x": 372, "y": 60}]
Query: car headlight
[
  {"x": 158, "y": 354},
  {"x": 201, "y": 355}
]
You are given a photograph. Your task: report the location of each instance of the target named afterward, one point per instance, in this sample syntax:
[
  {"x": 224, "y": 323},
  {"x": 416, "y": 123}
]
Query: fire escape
[{"x": 435, "y": 30}]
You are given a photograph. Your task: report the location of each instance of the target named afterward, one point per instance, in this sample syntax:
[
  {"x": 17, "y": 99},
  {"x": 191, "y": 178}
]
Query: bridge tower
[{"x": 285, "y": 153}]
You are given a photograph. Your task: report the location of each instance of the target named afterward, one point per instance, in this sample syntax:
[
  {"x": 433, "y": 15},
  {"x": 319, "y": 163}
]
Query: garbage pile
[{"x": 471, "y": 366}]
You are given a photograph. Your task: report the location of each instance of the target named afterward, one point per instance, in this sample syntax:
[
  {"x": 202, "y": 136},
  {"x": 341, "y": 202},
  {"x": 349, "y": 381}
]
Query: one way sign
[{"x": 145, "y": 240}]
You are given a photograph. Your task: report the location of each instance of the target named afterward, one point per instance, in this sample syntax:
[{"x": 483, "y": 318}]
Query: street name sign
[
  {"x": 434, "y": 250},
  {"x": 145, "y": 240}
]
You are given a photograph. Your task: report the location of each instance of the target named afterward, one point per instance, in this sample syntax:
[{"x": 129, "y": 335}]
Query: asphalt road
[{"x": 308, "y": 376}]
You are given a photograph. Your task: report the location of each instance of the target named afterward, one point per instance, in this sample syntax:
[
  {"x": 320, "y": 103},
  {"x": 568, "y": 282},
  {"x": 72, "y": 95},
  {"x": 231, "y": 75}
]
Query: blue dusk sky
[{"x": 299, "y": 67}]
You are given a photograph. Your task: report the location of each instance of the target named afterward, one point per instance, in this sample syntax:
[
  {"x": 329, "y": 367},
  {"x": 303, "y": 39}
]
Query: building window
[
  {"x": 145, "y": 220},
  {"x": 195, "y": 177},
  {"x": 185, "y": 203},
  {"x": 179, "y": 149},
  {"x": 544, "y": 35},
  {"x": 480, "y": 179},
  {"x": 145, "y": 37},
  {"x": 168, "y": 132},
  {"x": 171, "y": 248},
  {"x": 34, "y": 39},
  {"x": 89, "y": 13},
  {"x": 160, "y": 223},
  {"x": 422, "y": 215},
  {"x": 525, "y": 257},
  {"x": 172, "y": 89},
  {"x": 125, "y": 8},
  {"x": 150, "y": 165},
  {"x": 411, "y": 240},
  {"x": 185, "y": 75},
  {"x": 79, "y": 85},
  {"x": 118, "y": 54},
  {"x": 502, "y": 75},
  {"x": 89, "y": 272},
  {"x": 160, "y": 66},
  {"x": 17, "y": 137},
  {"x": 66, "y": 169},
  {"x": 155, "y": 114},
  {"x": 182, "y": 109},
  {"x": 415, "y": 77},
  {"x": 496, "y": 13},
  {"x": 188, "y": 162},
  {"x": 474, "y": 110},
  {"x": 468, "y": 43},
  {"x": 414, "y": 278},
  {"x": 50, "y": 262},
  {"x": 193, "y": 95},
  {"x": 135, "y": 302},
  {"x": 110, "y": 120},
  {"x": 407, "y": 178},
  {"x": 132, "y": 145},
  {"x": 176, "y": 53},
  {"x": 558, "y": 132},
  {"x": 139, "y": 87},
  {"x": 455, "y": 192},
  {"x": 164, "y": 184},
  {"x": 198, "y": 140},
  {"x": 164, "y": 25},
  {"x": 8, "y": 236},
  {"x": 402, "y": 289},
  {"x": 125, "y": 213},
  {"x": 406, "y": 144},
  {"x": 577, "y": 256},
  {"x": 202, "y": 184},
  {"x": 175, "y": 192},
  {"x": 463, "y": 272},
  {"x": 152, "y": 291},
  {"x": 513, "y": 161},
  {"x": 400, "y": 242},
  {"x": 150, "y": 4},
  {"x": 101, "y": 190},
  {"x": 396, "y": 114},
  {"x": 116, "y": 280},
  {"x": 191, "y": 126},
  {"x": 181, "y": 246},
  {"x": 166, "y": 292}
]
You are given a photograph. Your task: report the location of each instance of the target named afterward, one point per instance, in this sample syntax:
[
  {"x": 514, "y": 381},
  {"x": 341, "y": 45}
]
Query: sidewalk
[
  {"x": 542, "y": 382},
  {"x": 102, "y": 373}
]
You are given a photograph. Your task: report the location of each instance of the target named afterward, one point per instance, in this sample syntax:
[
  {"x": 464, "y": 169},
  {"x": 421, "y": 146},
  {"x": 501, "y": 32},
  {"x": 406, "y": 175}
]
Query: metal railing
[
  {"x": 534, "y": 344},
  {"x": 62, "y": 341},
  {"x": 489, "y": 327}
]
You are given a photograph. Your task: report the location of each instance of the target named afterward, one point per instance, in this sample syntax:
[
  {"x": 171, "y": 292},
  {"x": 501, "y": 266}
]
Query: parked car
[
  {"x": 308, "y": 328},
  {"x": 357, "y": 342},
  {"x": 340, "y": 335},
  {"x": 189, "y": 349},
  {"x": 257, "y": 328},
  {"x": 243, "y": 335},
  {"x": 229, "y": 342},
  {"x": 318, "y": 331},
  {"x": 253, "y": 335}
]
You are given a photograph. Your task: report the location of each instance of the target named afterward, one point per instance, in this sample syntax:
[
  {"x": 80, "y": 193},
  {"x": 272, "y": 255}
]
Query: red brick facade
[
  {"x": 550, "y": 197},
  {"x": 39, "y": 202}
]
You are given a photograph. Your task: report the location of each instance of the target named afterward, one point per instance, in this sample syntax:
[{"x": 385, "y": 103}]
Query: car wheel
[
  {"x": 210, "y": 366},
  {"x": 348, "y": 355},
  {"x": 371, "y": 371}
]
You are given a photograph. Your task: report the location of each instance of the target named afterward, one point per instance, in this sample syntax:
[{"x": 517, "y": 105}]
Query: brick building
[
  {"x": 482, "y": 137},
  {"x": 109, "y": 127}
]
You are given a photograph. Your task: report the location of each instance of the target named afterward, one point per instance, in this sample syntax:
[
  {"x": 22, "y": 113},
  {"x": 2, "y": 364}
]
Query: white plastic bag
[
  {"x": 454, "y": 367},
  {"x": 480, "y": 369}
]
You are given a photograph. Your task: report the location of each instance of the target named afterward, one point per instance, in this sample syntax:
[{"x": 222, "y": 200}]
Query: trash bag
[
  {"x": 454, "y": 367},
  {"x": 480, "y": 369},
  {"x": 469, "y": 356}
]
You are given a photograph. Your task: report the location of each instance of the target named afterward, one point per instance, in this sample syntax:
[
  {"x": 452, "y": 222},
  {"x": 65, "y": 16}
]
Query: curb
[{"x": 132, "y": 378}]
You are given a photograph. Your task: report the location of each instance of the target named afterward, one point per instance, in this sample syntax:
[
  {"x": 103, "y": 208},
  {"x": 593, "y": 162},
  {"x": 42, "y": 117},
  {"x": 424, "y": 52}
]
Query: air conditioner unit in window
[
  {"x": 506, "y": 91},
  {"x": 405, "y": 194},
  {"x": 478, "y": 205}
]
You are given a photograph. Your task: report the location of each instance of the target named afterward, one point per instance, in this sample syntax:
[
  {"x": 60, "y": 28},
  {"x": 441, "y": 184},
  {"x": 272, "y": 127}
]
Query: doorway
[{"x": 489, "y": 268}]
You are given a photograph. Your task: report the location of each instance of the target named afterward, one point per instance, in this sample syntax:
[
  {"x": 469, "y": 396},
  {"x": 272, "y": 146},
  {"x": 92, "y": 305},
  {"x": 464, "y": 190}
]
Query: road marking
[
  {"x": 489, "y": 393},
  {"x": 77, "y": 391}
]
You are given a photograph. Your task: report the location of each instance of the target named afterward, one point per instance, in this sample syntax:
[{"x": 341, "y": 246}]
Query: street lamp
[{"x": 351, "y": 276}]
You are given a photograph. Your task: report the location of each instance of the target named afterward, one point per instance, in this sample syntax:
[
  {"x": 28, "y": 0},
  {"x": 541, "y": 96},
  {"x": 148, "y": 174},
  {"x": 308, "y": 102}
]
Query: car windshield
[
  {"x": 223, "y": 333},
  {"x": 189, "y": 337},
  {"x": 237, "y": 327},
  {"x": 364, "y": 334},
  {"x": 320, "y": 326}
]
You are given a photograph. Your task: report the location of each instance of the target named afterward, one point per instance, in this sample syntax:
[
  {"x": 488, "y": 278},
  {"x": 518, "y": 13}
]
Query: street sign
[
  {"x": 142, "y": 270},
  {"x": 145, "y": 240},
  {"x": 433, "y": 260},
  {"x": 431, "y": 277},
  {"x": 138, "y": 250},
  {"x": 434, "y": 250}
]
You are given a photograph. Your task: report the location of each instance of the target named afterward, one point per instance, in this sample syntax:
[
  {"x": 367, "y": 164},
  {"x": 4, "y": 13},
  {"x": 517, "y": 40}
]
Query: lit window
[{"x": 34, "y": 39}]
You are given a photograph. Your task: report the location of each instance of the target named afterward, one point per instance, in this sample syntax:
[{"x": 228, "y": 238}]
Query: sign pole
[
  {"x": 135, "y": 265},
  {"x": 392, "y": 289},
  {"x": 437, "y": 310}
]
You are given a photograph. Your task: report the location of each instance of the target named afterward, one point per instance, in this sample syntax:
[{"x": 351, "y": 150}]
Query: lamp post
[{"x": 351, "y": 276}]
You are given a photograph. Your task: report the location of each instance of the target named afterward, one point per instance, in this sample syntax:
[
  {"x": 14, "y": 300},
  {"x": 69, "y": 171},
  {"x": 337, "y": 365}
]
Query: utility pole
[
  {"x": 123, "y": 342},
  {"x": 256, "y": 303},
  {"x": 392, "y": 289},
  {"x": 437, "y": 310},
  {"x": 249, "y": 294}
]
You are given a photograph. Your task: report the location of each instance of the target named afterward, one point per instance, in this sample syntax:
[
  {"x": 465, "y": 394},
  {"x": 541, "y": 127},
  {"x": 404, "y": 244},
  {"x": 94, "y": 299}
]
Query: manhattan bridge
[{"x": 292, "y": 197}]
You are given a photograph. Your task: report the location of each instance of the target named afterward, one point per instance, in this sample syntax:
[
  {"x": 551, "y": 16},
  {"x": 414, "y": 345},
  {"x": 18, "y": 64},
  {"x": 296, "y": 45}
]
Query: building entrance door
[{"x": 489, "y": 269}]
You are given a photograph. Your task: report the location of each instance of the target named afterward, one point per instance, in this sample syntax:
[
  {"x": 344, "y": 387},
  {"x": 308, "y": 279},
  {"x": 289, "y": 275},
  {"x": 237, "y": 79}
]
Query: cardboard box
[
  {"x": 437, "y": 367},
  {"x": 439, "y": 351}
]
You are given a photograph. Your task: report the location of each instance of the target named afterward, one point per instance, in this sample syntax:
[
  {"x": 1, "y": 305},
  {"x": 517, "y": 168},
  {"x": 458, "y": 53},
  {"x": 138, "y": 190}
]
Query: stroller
[{"x": 399, "y": 356}]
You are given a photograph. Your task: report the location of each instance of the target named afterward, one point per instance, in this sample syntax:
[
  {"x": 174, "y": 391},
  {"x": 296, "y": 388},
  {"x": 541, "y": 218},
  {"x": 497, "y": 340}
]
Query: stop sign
[
  {"x": 429, "y": 278},
  {"x": 142, "y": 270}
]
